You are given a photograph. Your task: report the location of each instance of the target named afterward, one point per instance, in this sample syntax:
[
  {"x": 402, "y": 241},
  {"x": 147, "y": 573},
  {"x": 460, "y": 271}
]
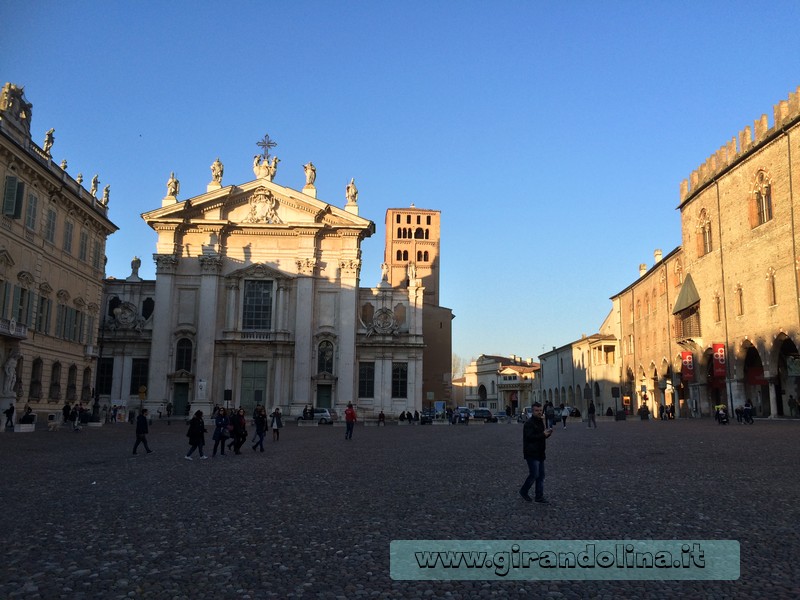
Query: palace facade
[
  {"x": 52, "y": 258},
  {"x": 717, "y": 320}
]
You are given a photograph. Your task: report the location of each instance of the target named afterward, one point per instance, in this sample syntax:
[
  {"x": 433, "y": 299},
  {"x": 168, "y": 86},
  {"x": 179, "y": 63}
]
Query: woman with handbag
[{"x": 221, "y": 433}]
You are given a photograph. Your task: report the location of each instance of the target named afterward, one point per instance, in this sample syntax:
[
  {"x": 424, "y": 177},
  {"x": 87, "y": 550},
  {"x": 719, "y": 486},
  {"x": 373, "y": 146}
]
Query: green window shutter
[{"x": 10, "y": 195}]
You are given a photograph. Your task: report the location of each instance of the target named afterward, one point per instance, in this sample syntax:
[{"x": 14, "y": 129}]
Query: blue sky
[{"x": 552, "y": 136}]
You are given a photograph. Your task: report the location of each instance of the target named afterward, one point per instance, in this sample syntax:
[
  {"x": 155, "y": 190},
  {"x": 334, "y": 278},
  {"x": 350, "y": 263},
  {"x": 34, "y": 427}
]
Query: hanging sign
[
  {"x": 687, "y": 366},
  {"x": 719, "y": 360}
]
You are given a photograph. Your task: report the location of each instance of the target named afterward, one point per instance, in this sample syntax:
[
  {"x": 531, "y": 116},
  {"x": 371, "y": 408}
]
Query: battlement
[{"x": 784, "y": 112}]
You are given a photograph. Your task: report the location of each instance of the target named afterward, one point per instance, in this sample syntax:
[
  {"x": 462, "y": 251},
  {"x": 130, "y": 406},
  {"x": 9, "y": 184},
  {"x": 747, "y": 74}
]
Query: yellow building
[{"x": 52, "y": 257}]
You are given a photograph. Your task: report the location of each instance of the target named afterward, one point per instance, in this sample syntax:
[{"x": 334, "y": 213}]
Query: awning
[{"x": 688, "y": 296}]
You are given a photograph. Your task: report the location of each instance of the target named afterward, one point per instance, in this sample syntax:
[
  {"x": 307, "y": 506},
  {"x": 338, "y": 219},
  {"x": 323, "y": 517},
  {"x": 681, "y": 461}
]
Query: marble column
[
  {"x": 159, "y": 367},
  {"x": 303, "y": 332},
  {"x": 210, "y": 267}
]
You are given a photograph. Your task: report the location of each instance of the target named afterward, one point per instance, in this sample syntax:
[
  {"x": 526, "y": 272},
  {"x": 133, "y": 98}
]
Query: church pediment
[{"x": 257, "y": 204}]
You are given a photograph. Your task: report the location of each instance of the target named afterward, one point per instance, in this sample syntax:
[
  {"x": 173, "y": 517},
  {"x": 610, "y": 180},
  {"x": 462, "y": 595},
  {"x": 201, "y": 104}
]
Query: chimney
[
  {"x": 657, "y": 255},
  {"x": 642, "y": 269}
]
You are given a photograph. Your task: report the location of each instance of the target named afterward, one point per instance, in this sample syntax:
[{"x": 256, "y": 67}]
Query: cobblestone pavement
[{"x": 314, "y": 515}]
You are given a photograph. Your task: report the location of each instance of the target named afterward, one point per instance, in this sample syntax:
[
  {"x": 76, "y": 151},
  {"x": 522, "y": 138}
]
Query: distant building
[
  {"x": 584, "y": 370},
  {"x": 52, "y": 257},
  {"x": 500, "y": 383}
]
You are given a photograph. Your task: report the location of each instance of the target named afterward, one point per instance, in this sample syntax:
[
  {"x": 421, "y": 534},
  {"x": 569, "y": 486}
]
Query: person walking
[
  {"x": 592, "y": 411},
  {"x": 550, "y": 414},
  {"x": 260, "y": 420},
  {"x": 9, "y": 413},
  {"x": 350, "y": 421},
  {"x": 141, "y": 431},
  {"x": 65, "y": 411},
  {"x": 277, "y": 424},
  {"x": 196, "y": 435},
  {"x": 239, "y": 422},
  {"x": 220, "y": 435},
  {"x": 564, "y": 412},
  {"x": 534, "y": 442}
]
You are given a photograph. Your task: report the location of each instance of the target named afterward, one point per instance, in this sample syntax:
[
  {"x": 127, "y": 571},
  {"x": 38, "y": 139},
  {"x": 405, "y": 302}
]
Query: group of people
[
  {"x": 744, "y": 414},
  {"x": 666, "y": 412},
  {"x": 407, "y": 416},
  {"x": 231, "y": 431}
]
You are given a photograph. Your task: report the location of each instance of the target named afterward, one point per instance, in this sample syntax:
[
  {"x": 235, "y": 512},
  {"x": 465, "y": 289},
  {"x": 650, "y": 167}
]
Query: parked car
[
  {"x": 502, "y": 417},
  {"x": 426, "y": 417},
  {"x": 483, "y": 414},
  {"x": 323, "y": 416}
]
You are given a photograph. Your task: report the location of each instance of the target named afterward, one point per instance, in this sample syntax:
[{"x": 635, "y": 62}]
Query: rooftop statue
[
  {"x": 263, "y": 168},
  {"x": 12, "y": 102},
  {"x": 106, "y": 191},
  {"x": 351, "y": 192},
  {"x": 311, "y": 174},
  {"x": 217, "y": 169},
  {"x": 95, "y": 183},
  {"x": 48, "y": 141},
  {"x": 173, "y": 185}
]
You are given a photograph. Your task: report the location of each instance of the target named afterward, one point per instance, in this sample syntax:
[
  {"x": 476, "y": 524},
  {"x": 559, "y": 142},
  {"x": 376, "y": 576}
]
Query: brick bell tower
[
  {"x": 412, "y": 250},
  {"x": 412, "y": 237}
]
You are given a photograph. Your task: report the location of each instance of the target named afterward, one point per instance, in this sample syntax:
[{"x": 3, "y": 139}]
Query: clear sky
[{"x": 552, "y": 136}]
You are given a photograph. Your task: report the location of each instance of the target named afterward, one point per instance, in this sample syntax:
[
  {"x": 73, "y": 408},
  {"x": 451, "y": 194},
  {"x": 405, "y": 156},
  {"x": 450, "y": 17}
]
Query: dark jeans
[
  {"x": 348, "y": 434},
  {"x": 192, "y": 450},
  {"x": 259, "y": 440},
  {"x": 141, "y": 439},
  {"x": 535, "y": 476},
  {"x": 219, "y": 443}
]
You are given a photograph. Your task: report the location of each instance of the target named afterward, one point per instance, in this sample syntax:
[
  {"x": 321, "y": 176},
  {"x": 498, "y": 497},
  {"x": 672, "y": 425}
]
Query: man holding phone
[{"x": 534, "y": 440}]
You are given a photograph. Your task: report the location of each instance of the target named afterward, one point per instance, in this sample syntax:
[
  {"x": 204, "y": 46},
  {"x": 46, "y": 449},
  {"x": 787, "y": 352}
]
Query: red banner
[
  {"x": 687, "y": 366},
  {"x": 719, "y": 360}
]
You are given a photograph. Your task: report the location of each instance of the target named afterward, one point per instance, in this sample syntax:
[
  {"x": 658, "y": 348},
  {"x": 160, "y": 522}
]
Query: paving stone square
[{"x": 314, "y": 515}]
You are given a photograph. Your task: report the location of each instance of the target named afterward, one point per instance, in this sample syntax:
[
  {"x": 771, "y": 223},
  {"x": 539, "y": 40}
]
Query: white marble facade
[{"x": 257, "y": 299}]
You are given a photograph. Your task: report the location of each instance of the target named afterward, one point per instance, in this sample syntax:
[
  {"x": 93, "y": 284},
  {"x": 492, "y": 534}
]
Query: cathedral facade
[{"x": 257, "y": 301}]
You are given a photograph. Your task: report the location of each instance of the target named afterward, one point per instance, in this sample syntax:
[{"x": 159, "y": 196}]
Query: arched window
[
  {"x": 183, "y": 355},
  {"x": 419, "y": 233},
  {"x": 772, "y": 295},
  {"x": 419, "y": 255},
  {"x": 325, "y": 357},
  {"x": 55, "y": 382},
  {"x": 147, "y": 307},
  {"x": 112, "y": 304},
  {"x": 399, "y": 255},
  {"x": 425, "y": 256},
  {"x": 739, "y": 300},
  {"x": 638, "y": 309},
  {"x": 647, "y": 304},
  {"x": 426, "y": 234},
  {"x": 36, "y": 379},
  {"x": 405, "y": 254},
  {"x": 72, "y": 383},
  {"x": 399, "y": 232},
  {"x": 762, "y": 195}
]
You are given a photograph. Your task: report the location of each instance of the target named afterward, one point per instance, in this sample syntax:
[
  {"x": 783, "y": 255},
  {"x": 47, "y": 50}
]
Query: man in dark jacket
[
  {"x": 534, "y": 440},
  {"x": 141, "y": 431}
]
